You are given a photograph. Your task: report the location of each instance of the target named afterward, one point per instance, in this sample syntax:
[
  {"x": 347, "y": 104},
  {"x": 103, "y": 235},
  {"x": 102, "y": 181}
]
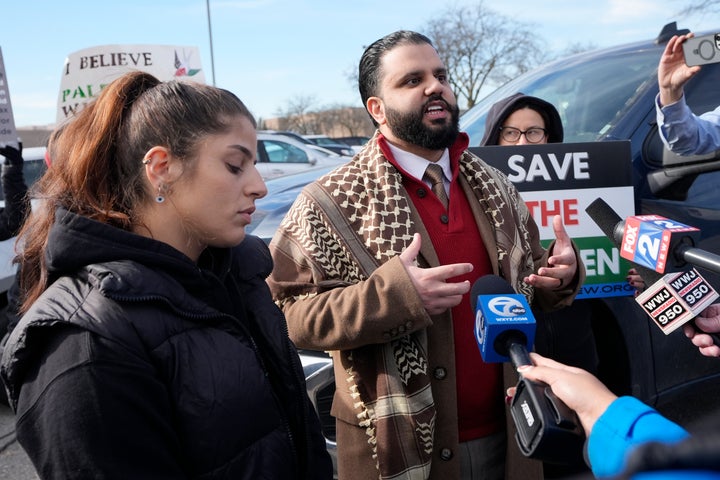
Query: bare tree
[
  {"x": 298, "y": 115},
  {"x": 481, "y": 47},
  {"x": 345, "y": 121},
  {"x": 702, "y": 7}
]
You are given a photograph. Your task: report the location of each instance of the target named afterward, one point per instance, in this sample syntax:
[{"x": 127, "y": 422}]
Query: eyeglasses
[{"x": 532, "y": 135}]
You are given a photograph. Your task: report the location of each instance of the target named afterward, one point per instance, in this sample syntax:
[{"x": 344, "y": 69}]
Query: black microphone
[
  {"x": 653, "y": 241},
  {"x": 547, "y": 429},
  {"x": 670, "y": 300}
]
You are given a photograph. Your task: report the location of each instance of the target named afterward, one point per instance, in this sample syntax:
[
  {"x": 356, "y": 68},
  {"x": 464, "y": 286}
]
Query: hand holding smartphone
[{"x": 702, "y": 50}]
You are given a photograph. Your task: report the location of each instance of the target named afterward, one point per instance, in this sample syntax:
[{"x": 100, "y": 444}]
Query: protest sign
[
  {"x": 86, "y": 72},
  {"x": 563, "y": 179},
  {"x": 8, "y": 133}
]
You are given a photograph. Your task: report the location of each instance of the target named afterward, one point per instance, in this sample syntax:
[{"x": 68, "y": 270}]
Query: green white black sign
[{"x": 563, "y": 179}]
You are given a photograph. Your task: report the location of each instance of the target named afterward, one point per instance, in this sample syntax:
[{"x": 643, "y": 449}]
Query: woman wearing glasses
[{"x": 521, "y": 119}]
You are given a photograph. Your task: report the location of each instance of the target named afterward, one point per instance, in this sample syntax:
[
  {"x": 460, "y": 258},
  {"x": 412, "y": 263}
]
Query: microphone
[
  {"x": 504, "y": 323},
  {"x": 547, "y": 429},
  {"x": 676, "y": 299},
  {"x": 673, "y": 299},
  {"x": 652, "y": 241}
]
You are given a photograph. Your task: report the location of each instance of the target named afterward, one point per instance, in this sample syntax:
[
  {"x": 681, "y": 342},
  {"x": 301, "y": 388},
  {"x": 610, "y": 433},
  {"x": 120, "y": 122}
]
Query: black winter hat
[{"x": 504, "y": 108}]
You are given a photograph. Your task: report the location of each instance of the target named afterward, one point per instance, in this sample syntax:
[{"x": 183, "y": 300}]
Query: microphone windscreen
[
  {"x": 489, "y": 285},
  {"x": 604, "y": 216},
  {"x": 607, "y": 219}
]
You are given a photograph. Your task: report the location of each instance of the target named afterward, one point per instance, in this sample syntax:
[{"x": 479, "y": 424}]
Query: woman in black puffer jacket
[{"x": 149, "y": 345}]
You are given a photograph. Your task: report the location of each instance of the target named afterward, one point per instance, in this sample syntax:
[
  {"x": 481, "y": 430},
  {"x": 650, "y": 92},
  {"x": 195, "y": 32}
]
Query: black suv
[{"x": 609, "y": 95}]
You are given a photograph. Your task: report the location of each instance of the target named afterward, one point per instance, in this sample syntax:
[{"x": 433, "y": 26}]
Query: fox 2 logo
[{"x": 649, "y": 243}]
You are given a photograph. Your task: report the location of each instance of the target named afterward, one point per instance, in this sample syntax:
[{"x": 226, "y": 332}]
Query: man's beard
[{"x": 410, "y": 127}]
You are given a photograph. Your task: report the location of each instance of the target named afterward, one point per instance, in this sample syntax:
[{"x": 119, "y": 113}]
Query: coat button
[
  {"x": 440, "y": 373},
  {"x": 444, "y": 219},
  {"x": 446, "y": 454},
  {"x": 421, "y": 192}
]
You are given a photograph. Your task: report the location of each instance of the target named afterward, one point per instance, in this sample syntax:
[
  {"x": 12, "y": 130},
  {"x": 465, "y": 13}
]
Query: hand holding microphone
[
  {"x": 703, "y": 337},
  {"x": 579, "y": 389},
  {"x": 504, "y": 328}
]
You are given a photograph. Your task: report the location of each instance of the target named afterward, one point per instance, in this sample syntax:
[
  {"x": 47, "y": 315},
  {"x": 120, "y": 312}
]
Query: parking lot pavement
[{"x": 14, "y": 463}]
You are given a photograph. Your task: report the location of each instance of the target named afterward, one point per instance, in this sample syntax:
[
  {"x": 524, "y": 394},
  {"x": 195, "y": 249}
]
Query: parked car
[
  {"x": 606, "y": 94},
  {"x": 280, "y": 155},
  {"x": 327, "y": 142},
  {"x": 356, "y": 142},
  {"x": 288, "y": 133},
  {"x": 302, "y": 139},
  {"x": 282, "y": 191}
]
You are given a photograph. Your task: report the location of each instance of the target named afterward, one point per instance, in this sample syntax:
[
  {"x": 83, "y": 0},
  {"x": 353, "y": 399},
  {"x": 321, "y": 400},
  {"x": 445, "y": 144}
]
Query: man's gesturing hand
[
  {"x": 431, "y": 283},
  {"x": 562, "y": 264}
]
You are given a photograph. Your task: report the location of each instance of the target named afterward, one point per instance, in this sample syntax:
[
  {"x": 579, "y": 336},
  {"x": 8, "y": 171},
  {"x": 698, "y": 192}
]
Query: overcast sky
[{"x": 270, "y": 51}]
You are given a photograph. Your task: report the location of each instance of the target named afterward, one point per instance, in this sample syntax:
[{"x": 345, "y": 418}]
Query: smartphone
[{"x": 702, "y": 50}]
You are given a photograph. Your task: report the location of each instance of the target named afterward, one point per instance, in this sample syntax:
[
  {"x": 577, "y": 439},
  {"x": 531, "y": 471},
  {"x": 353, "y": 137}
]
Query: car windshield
[
  {"x": 281, "y": 152},
  {"x": 590, "y": 95}
]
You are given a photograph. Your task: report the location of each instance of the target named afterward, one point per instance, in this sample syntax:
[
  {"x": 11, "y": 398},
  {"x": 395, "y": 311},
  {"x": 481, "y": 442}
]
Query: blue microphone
[
  {"x": 547, "y": 429},
  {"x": 504, "y": 323}
]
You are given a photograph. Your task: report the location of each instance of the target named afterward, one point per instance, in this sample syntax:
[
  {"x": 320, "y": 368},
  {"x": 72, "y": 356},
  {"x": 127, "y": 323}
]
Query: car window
[
  {"x": 701, "y": 96},
  {"x": 281, "y": 152},
  {"x": 590, "y": 96},
  {"x": 32, "y": 171},
  {"x": 701, "y": 92}
]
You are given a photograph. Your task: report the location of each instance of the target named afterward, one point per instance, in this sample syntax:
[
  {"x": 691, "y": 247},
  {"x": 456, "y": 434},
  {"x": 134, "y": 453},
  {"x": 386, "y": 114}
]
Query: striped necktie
[{"x": 434, "y": 174}]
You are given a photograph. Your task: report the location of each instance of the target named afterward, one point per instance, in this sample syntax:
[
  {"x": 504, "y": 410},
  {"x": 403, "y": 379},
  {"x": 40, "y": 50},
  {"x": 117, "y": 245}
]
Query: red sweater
[{"x": 456, "y": 239}]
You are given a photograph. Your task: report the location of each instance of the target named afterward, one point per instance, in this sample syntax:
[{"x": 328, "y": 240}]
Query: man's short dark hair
[{"x": 369, "y": 70}]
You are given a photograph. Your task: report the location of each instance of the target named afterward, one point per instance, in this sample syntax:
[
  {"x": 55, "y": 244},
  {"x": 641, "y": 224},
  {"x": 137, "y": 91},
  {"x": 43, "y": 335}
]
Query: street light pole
[{"x": 212, "y": 56}]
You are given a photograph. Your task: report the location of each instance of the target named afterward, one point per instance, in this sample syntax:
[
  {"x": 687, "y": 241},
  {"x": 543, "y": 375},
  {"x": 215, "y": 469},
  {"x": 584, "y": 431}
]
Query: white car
[
  {"x": 279, "y": 155},
  {"x": 326, "y": 142}
]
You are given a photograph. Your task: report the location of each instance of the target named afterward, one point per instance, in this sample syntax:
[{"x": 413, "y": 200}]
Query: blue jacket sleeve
[
  {"x": 685, "y": 133},
  {"x": 626, "y": 423}
]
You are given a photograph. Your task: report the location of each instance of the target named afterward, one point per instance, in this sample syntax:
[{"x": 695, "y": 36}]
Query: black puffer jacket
[{"x": 138, "y": 363}]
